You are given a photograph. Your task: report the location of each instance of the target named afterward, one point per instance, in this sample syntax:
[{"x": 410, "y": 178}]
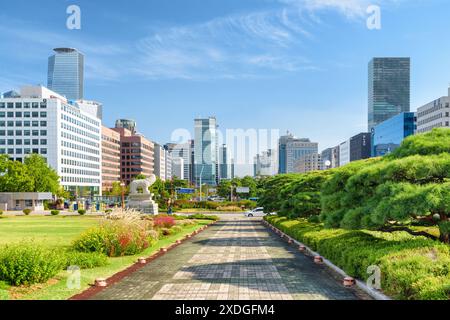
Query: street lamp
[
  {"x": 201, "y": 174},
  {"x": 122, "y": 186}
]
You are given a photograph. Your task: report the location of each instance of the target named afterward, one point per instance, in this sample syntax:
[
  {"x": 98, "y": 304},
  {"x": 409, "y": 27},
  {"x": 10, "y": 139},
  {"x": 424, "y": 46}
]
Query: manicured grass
[
  {"x": 55, "y": 231},
  {"x": 60, "y": 232}
]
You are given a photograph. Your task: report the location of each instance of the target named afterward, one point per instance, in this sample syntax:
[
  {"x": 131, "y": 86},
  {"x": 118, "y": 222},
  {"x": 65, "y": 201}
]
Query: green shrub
[
  {"x": 26, "y": 212},
  {"x": 1, "y": 212},
  {"x": 81, "y": 212},
  {"x": 26, "y": 264},
  {"x": 412, "y": 267},
  {"x": 54, "y": 212},
  {"x": 85, "y": 260}
]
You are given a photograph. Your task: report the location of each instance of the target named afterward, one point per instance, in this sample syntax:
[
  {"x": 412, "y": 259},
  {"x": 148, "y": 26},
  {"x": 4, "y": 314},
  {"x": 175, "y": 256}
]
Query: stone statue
[
  {"x": 144, "y": 184},
  {"x": 142, "y": 200}
]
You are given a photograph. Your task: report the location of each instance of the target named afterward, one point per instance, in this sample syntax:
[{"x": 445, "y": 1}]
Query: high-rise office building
[
  {"x": 266, "y": 164},
  {"x": 206, "y": 151},
  {"x": 110, "y": 158},
  {"x": 184, "y": 151},
  {"x": 308, "y": 163},
  {"x": 224, "y": 162},
  {"x": 295, "y": 149},
  {"x": 435, "y": 114},
  {"x": 137, "y": 155},
  {"x": 178, "y": 168},
  {"x": 360, "y": 146},
  {"x": 389, "y": 89},
  {"x": 127, "y": 124},
  {"x": 388, "y": 135},
  {"x": 282, "y": 155},
  {"x": 66, "y": 73},
  {"x": 344, "y": 153},
  {"x": 160, "y": 162},
  {"x": 330, "y": 158},
  {"x": 44, "y": 122}
]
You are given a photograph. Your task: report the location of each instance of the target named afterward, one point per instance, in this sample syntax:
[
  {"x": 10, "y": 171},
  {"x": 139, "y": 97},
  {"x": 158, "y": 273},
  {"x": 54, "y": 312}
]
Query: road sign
[
  {"x": 185, "y": 191},
  {"x": 242, "y": 190}
]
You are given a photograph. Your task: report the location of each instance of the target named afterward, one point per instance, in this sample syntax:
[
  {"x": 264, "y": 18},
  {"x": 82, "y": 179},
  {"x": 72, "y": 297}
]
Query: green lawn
[
  {"x": 60, "y": 232},
  {"x": 57, "y": 231}
]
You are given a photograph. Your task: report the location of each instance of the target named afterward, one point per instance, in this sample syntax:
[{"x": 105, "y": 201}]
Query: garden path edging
[
  {"x": 377, "y": 295},
  {"x": 93, "y": 290}
]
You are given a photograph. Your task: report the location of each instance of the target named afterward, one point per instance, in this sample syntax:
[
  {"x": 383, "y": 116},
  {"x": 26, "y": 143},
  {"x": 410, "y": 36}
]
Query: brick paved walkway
[{"x": 236, "y": 259}]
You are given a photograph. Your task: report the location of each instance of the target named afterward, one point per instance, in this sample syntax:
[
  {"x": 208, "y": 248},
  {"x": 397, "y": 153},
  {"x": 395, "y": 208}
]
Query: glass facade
[
  {"x": 66, "y": 73},
  {"x": 206, "y": 152},
  {"x": 389, "y": 88},
  {"x": 388, "y": 136}
]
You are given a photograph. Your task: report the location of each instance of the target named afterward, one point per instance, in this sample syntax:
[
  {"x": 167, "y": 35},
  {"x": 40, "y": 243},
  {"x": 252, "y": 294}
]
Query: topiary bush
[
  {"x": 81, "y": 212},
  {"x": 27, "y": 263},
  {"x": 26, "y": 212},
  {"x": 54, "y": 212}
]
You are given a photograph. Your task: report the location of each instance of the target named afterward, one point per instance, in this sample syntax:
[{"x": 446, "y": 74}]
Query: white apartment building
[
  {"x": 168, "y": 165},
  {"x": 69, "y": 136},
  {"x": 178, "y": 168},
  {"x": 344, "y": 153},
  {"x": 184, "y": 151},
  {"x": 435, "y": 114},
  {"x": 160, "y": 161},
  {"x": 296, "y": 148}
]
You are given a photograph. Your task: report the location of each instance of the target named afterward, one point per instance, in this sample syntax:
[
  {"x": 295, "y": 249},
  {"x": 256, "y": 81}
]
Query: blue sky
[{"x": 298, "y": 65}]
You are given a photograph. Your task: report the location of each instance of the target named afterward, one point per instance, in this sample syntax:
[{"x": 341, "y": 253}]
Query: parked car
[{"x": 257, "y": 212}]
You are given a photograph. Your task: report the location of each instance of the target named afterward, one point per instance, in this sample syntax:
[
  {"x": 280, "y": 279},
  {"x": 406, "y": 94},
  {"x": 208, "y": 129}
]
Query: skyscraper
[
  {"x": 389, "y": 89},
  {"x": 224, "y": 162},
  {"x": 66, "y": 73},
  {"x": 184, "y": 151},
  {"x": 282, "y": 156},
  {"x": 206, "y": 151}
]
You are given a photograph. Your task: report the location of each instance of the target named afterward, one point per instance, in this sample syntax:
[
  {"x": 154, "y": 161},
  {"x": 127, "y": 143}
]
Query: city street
[{"x": 236, "y": 259}]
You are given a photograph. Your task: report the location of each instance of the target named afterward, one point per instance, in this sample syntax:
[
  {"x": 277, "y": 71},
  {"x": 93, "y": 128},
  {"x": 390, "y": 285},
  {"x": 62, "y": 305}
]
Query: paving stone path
[{"x": 236, "y": 259}]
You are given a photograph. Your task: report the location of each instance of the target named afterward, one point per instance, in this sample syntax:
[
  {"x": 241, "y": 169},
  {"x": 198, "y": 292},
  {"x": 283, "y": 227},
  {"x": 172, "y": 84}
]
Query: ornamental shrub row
[{"x": 412, "y": 268}]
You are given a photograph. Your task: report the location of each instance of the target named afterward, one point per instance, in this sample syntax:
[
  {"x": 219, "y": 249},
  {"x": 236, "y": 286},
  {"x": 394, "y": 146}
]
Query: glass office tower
[
  {"x": 66, "y": 73},
  {"x": 206, "y": 151},
  {"x": 389, "y": 88},
  {"x": 388, "y": 135}
]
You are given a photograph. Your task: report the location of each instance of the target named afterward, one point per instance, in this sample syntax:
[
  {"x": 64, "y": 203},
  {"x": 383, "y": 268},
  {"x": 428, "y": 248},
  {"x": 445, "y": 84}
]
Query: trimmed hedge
[{"x": 413, "y": 268}]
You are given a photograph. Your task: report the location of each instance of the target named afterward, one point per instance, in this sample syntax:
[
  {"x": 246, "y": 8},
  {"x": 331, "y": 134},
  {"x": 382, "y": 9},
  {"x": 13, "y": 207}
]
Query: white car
[{"x": 257, "y": 212}]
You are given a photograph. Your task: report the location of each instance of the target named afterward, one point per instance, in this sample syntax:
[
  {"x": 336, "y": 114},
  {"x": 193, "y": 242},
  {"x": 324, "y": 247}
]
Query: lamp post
[
  {"x": 201, "y": 174},
  {"x": 122, "y": 185}
]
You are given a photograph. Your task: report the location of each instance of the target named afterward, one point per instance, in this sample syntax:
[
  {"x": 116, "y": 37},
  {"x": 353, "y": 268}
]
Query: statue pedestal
[{"x": 143, "y": 203}]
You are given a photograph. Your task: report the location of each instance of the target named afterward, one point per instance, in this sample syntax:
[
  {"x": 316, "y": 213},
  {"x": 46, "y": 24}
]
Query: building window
[
  {"x": 26, "y": 105},
  {"x": 43, "y": 114},
  {"x": 35, "y": 105},
  {"x": 27, "y": 114},
  {"x": 35, "y": 114},
  {"x": 18, "y": 114}
]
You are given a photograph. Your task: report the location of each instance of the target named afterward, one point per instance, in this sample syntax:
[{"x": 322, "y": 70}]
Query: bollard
[
  {"x": 302, "y": 248},
  {"x": 100, "y": 282},
  {"x": 318, "y": 260},
  {"x": 349, "y": 282},
  {"x": 142, "y": 260},
  {"x": 163, "y": 250},
  {"x": 290, "y": 241}
]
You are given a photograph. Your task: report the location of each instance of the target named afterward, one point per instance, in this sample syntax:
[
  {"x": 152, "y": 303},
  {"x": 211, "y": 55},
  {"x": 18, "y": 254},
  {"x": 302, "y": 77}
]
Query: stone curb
[
  {"x": 377, "y": 295},
  {"x": 93, "y": 290}
]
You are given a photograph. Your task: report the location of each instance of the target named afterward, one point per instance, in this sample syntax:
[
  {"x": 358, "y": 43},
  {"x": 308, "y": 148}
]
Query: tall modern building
[
  {"x": 344, "y": 153},
  {"x": 330, "y": 158},
  {"x": 66, "y": 73},
  {"x": 435, "y": 114},
  {"x": 360, "y": 146},
  {"x": 206, "y": 151},
  {"x": 110, "y": 158},
  {"x": 389, "y": 88},
  {"x": 160, "y": 162},
  {"x": 266, "y": 164},
  {"x": 224, "y": 163},
  {"x": 43, "y": 122},
  {"x": 388, "y": 135},
  {"x": 295, "y": 149},
  {"x": 184, "y": 151},
  {"x": 308, "y": 163},
  {"x": 282, "y": 155},
  {"x": 137, "y": 155},
  {"x": 127, "y": 124}
]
